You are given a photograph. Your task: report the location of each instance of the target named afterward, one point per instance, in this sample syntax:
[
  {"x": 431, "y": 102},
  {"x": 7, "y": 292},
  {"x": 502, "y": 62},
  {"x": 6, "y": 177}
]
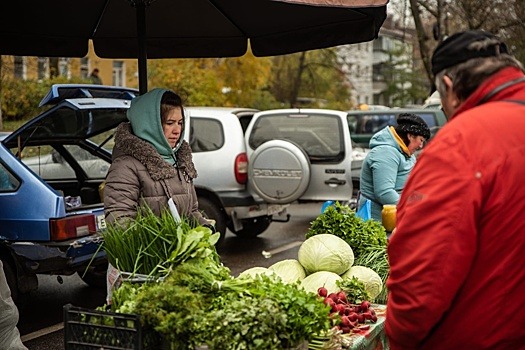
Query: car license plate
[
  {"x": 275, "y": 208},
  {"x": 101, "y": 222}
]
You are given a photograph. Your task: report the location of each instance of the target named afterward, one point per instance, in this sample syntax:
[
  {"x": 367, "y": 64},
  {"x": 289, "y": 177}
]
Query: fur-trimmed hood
[{"x": 126, "y": 143}]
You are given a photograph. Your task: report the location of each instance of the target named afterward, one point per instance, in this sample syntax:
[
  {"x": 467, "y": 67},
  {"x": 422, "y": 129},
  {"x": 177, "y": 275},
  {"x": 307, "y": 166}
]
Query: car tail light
[
  {"x": 241, "y": 168},
  {"x": 72, "y": 227}
]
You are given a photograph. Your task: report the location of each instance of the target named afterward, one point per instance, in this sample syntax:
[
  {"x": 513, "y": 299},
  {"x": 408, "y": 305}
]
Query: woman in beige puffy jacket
[{"x": 151, "y": 161}]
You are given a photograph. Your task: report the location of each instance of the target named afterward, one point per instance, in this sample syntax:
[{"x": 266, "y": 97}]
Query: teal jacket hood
[
  {"x": 384, "y": 137},
  {"x": 144, "y": 116}
]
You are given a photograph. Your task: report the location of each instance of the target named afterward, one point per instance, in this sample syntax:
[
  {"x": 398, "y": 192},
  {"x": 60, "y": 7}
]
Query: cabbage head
[
  {"x": 252, "y": 272},
  {"x": 290, "y": 270},
  {"x": 327, "y": 279},
  {"x": 325, "y": 252},
  {"x": 370, "y": 278}
]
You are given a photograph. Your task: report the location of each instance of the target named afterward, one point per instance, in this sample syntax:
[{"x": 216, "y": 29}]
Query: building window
[
  {"x": 43, "y": 68},
  {"x": 84, "y": 67},
  {"x": 20, "y": 67},
  {"x": 63, "y": 67},
  {"x": 118, "y": 73}
]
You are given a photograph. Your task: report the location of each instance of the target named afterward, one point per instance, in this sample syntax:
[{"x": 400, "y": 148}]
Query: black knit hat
[
  {"x": 413, "y": 124},
  {"x": 461, "y": 47}
]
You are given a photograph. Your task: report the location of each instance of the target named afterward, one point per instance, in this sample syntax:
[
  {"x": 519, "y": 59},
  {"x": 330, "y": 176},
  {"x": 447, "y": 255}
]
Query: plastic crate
[{"x": 86, "y": 329}]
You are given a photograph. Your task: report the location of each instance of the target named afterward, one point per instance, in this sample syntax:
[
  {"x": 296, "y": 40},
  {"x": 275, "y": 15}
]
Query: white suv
[
  {"x": 300, "y": 155},
  {"x": 251, "y": 165},
  {"x": 216, "y": 137}
]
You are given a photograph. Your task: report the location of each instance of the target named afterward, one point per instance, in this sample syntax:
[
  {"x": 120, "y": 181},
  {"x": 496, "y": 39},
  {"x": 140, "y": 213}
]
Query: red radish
[
  {"x": 345, "y": 329},
  {"x": 333, "y": 296},
  {"x": 367, "y": 315},
  {"x": 342, "y": 295},
  {"x": 345, "y": 321},
  {"x": 329, "y": 302},
  {"x": 322, "y": 291},
  {"x": 365, "y": 305},
  {"x": 335, "y": 308}
]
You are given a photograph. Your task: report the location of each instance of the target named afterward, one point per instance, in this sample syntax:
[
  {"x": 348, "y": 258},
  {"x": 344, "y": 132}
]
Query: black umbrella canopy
[{"x": 145, "y": 29}]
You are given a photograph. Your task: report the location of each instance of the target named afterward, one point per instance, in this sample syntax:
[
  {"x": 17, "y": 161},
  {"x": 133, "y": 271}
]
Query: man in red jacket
[{"x": 457, "y": 257}]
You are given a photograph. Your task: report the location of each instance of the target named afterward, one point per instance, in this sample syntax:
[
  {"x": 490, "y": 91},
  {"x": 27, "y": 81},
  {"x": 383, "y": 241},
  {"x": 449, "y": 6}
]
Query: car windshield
[
  {"x": 371, "y": 123},
  {"x": 314, "y": 133}
]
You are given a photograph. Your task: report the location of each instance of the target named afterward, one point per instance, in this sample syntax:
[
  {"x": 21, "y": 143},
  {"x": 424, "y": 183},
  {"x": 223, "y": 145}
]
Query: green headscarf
[{"x": 144, "y": 116}]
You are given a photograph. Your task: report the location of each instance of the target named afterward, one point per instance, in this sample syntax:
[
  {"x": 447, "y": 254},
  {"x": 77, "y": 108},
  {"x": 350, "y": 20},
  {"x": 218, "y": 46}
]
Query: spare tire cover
[{"x": 279, "y": 171}]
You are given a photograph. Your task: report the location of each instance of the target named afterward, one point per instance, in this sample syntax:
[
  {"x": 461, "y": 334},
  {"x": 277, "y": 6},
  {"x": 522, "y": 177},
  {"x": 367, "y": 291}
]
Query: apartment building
[
  {"x": 116, "y": 72},
  {"x": 370, "y": 67}
]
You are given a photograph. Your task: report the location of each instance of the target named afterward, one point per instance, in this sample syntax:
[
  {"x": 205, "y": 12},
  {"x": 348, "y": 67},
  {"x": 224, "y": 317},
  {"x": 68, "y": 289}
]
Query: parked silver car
[{"x": 216, "y": 136}]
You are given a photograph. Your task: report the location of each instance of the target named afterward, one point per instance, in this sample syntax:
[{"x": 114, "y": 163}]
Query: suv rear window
[{"x": 320, "y": 136}]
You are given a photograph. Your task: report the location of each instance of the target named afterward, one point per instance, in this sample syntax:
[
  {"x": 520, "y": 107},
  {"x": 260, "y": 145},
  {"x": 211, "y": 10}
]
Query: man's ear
[{"x": 451, "y": 96}]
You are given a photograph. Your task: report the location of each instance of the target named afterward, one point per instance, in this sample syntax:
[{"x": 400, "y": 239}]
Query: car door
[{"x": 299, "y": 154}]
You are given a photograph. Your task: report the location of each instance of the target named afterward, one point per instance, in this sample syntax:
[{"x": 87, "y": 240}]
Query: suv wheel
[
  {"x": 253, "y": 227},
  {"x": 212, "y": 211}
]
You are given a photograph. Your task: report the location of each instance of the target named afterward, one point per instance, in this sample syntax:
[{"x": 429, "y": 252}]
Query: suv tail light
[
  {"x": 241, "y": 168},
  {"x": 72, "y": 227}
]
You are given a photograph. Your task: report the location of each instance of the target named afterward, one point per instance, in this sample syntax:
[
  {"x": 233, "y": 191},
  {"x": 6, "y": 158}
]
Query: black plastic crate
[{"x": 86, "y": 329}]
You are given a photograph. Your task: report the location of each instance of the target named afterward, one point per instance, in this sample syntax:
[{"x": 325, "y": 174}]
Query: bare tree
[{"x": 434, "y": 20}]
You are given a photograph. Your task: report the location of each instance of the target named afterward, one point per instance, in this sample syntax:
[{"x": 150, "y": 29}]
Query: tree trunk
[
  {"x": 297, "y": 81},
  {"x": 422, "y": 38}
]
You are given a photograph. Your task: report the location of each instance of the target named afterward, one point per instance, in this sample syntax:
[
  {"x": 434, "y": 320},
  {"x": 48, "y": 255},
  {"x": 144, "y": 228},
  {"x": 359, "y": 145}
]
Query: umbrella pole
[{"x": 142, "y": 56}]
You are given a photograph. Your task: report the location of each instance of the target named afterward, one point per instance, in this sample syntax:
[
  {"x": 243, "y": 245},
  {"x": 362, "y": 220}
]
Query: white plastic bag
[
  {"x": 173, "y": 209},
  {"x": 9, "y": 334}
]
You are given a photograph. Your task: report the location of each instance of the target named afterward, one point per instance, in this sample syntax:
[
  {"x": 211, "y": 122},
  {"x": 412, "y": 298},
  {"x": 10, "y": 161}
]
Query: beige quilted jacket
[{"x": 138, "y": 175}]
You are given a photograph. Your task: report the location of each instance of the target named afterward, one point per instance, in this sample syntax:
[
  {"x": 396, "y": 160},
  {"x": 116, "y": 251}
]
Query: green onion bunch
[{"x": 152, "y": 244}]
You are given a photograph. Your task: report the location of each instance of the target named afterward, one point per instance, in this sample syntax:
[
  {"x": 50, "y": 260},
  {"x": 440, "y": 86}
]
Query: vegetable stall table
[{"x": 373, "y": 338}]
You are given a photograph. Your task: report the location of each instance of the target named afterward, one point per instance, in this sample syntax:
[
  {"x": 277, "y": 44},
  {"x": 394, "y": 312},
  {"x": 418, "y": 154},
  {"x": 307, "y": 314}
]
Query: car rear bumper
[
  {"x": 236, "y": 198},
  {"x": 63, "y": 258},
  {"x": 242, "y": 205}
]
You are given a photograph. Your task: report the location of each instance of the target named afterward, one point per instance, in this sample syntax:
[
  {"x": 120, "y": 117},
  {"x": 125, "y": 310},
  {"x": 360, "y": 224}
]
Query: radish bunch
[{"x": 353, "y": 317}]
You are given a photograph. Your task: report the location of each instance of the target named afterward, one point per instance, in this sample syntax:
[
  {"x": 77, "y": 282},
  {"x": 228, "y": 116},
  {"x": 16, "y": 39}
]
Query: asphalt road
[{"x": 41, "y": 316}]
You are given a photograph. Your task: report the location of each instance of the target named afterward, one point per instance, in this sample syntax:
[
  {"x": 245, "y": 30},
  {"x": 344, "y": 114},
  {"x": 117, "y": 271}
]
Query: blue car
[{"x": 51, "y": 211}]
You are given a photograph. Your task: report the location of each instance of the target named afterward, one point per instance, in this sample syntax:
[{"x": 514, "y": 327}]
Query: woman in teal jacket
[{"x": 390, "y": 160}]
